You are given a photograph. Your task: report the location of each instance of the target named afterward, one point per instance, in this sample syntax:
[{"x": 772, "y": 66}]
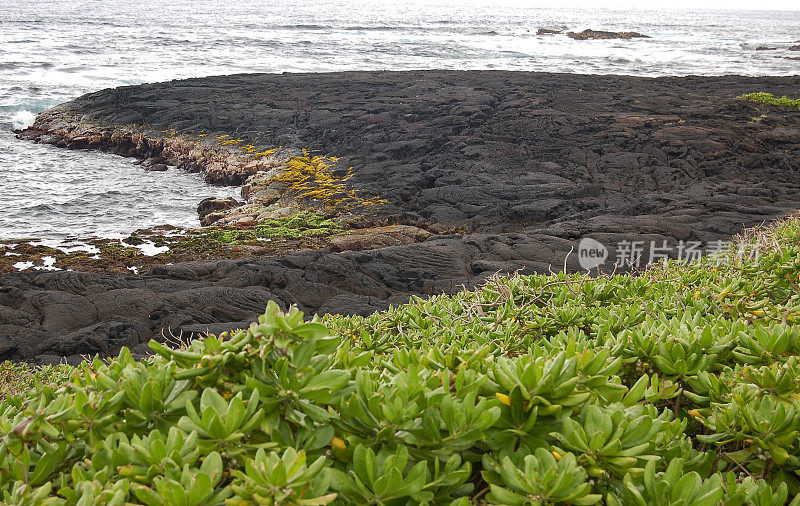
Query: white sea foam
[
  {"x": 22, "y": 120},
  {"x": 48, "y": 264},
  {"x": 68, "y": 246},
  {"x": 88, "y": 248},
  {"x": 149, "y": 249}
]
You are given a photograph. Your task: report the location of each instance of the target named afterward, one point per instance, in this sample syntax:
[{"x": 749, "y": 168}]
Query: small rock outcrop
[
  {"x": 212, "y": 209},
  {"x": 547, "y": 31},
  {"x": 155, "y": 164},
  {"x": 590, "y": 34}
]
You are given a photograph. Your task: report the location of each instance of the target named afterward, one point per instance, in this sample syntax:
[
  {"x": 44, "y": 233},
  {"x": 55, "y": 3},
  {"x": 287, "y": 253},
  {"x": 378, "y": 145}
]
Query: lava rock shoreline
[{"x": 504, "y": 170}]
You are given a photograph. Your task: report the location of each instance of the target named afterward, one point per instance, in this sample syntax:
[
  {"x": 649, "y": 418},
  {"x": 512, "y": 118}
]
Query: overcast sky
[{"x": 776, "y": 5}]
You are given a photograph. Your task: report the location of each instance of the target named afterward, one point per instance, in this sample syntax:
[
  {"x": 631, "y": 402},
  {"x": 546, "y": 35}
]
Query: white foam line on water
[
  {"x": 88, "y": 248},
  {"x": 67, "y": 246}
]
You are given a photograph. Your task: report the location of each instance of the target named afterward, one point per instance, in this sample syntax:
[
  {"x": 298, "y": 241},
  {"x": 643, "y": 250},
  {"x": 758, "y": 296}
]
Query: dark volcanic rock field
[{"x": 521, "y": 165}]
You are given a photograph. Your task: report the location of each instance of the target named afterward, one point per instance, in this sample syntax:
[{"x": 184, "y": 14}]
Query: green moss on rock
[{"x": 768, "y": 98}]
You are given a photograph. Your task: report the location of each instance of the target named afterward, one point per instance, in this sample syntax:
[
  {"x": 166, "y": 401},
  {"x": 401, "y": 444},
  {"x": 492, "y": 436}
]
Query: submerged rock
[
  {"x": 590, "y": 34},
  {"x": 156, "y": 160},
  {"x": 155, "y": 164}
]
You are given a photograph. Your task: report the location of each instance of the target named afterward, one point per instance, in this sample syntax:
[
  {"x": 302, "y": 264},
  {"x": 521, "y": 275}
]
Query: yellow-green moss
[
  {"x": 768, "y": 98},
  {"x": 312, "y": 177}
]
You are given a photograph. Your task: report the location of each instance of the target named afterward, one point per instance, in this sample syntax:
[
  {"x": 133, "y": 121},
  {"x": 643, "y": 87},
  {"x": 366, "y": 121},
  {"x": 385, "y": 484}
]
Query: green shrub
[
  {"x": 678, "y": 386},
  {"x": 16, "y": 377}
]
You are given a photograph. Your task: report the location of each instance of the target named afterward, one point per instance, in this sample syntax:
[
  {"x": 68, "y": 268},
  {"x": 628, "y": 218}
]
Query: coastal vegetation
[
  {"x": 213, "y": 239},
  {"x": 675, "y": 386},
  {"x": 18, "y": 377},
  {"x": 315, "y": 177},
  {"x": 768, "y": 98}
]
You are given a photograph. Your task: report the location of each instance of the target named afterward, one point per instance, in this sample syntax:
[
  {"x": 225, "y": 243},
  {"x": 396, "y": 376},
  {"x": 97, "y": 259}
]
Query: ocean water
[{"x": 51, "y": 52}]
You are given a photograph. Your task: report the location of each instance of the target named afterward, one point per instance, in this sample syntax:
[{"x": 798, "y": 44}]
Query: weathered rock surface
[
  {"x": 590, "y": 34},
  {"x": 508, "y": 170},
  {"x": 379, "y": 237},
  {"x": 155, "y": 164},
  {"x": 212, "y": 209}
]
